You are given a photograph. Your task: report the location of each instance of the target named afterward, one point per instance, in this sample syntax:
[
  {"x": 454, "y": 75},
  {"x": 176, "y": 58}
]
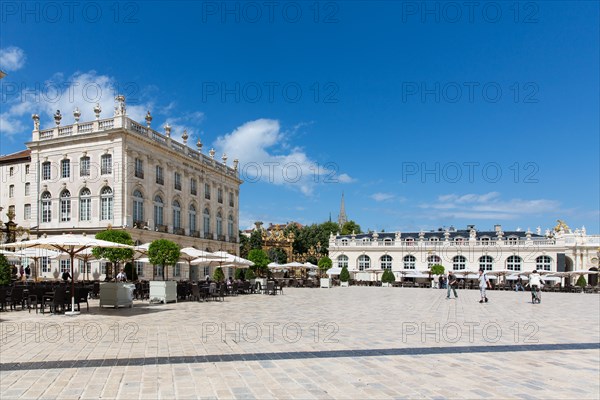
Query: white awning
[{"x": 334, "y": 271}]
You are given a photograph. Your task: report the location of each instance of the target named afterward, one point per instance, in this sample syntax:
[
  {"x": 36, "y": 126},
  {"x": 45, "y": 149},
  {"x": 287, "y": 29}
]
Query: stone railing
[
  {"x": 130, "y": 125},
  {"x": 443, "y": 243}
]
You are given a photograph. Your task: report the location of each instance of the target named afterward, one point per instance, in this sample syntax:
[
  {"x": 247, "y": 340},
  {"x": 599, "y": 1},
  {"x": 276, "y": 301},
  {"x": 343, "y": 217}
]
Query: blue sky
[{"x": 423, "y": 114}]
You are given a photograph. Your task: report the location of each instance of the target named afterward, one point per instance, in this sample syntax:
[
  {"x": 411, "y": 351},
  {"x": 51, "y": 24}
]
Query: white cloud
[
  {"x": 81, "y": 90},
  {"x": 264, "y": 155},
  {"x": 382, "y": 196},
  {"x": 487, "y": 206},
  {"x": 12, "y": 58}
]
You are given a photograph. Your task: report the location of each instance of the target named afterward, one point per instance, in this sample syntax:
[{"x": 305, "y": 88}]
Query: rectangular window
[
  {"x": 177, "y": 182},
  {"x": 85, "y": 208},
  {"x": 27, "y": 169},
  {"x": 207, "y": 191},
  {"x": 231, "y": 199},
  {"x": 65, "y": 168},
  {"x": 11, "y": 191},
  {"x": 27, "y": 211},
  {"x": 160, "y": 179},
  {"x": 139, "y": 268},
  {"x": 45, "y": 264},
  {"x": 177, "y": 270},
  {"x": 139, "y": 168},
  {"x": 220, "y": 195},
  {"x": 84, "y": 166},
  {"x": 46, "y": 174},
  {"x": 27, "y": 188},
  {"x": 193, "y": 186},
  {"x": 46, "y": 210},
  {"x": 85, "y": 267},
  {"x": 106, "y": 208},
  {"x": 106, "y": 164},
  {"x": 65, "y": 266},
  {"x": 11, "y": 211}
]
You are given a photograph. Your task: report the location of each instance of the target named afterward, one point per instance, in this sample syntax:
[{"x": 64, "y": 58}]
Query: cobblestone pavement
[{"x": 357, "y": 342}]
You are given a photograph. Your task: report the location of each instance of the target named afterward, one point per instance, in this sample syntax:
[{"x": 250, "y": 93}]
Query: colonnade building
[
  {"x": 411, "y": 254},
  {"x": 118, "y": 173}
]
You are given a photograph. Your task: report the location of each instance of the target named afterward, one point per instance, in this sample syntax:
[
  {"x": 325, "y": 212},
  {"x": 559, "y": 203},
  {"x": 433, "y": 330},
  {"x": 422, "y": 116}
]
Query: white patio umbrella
[
  {"x": 309, "y": 265},
  {"x": 190, "y": 254},
  {"x": 294, "y": 264},
  {"x": 276, "y": 266},
  {"x": 71, "y": 245},
  {"x": 85, "y": 256},
  {"x": 224, "y": 259}
]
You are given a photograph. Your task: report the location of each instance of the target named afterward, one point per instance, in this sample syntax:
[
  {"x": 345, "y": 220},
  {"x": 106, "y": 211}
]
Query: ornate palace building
[
  {"x": 409, "y": 254},
  {"x": 115, "y": 172}
]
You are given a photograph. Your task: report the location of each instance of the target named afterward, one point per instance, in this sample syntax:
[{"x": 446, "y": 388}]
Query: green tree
[
  {"x": 344, "y": 275},
  {"x": 115, "y": 256},
  {"x": 244, "y": 245},
  {"x": 5, "y": 271},
  {"x": 260, "y": 260},
  {"x": 249, "y": 274},
  {"x": 277, "y": 255},
  {"x": 324, "y": 264},
  {"x": 163, "y": 252},
  {"x": 388, "y": 276},
  {"x": 239, "y": 274},
  {"x": 581, "y": 281},
  {"x": 350, "y": 227},
  {"x": 256, "y": 241},
  {"x": 437, "y": 269},
  {"x": 218, "y": 275}
]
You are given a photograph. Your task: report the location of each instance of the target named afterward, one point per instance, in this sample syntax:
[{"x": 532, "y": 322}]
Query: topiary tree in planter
[
  {"x": 324, "y": 264},
  {"x": 218, "y": 275},
  {"x": 5, "y": 271},
  {"x": 260, "y": 260},
  {"x": 344, "y": 275},
  {"x": 163, "y": 252},
  {"x": 581, "y": 281},
  {"x": 115, "y": 256},
  {"x": 388, "y": 276}
]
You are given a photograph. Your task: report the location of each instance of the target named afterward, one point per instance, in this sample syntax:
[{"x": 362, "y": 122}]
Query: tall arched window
[
  {"x": 386, "y": 262},
  {"x": 138, "y": 207},
  {"x": 543, "y": 263},
  {"x": 342, "y": 261},
  {"x": 106, "y": 204},
  {"x": 206, "y": 221},
  {"x": 65, "y": 206},
  {"x": 433, "y": 260},
  {"x": 159, "y": 207},
  {"x": 46, "y": 207},
  {"x": 410, "y": 262},
  {"x": 513, "y": 263},
  {"x": 176, "y": 215},
  {"x": 486, "y": 263},
  {"x": 459, "y": 262},
  {"x": 219, "y": 224},
  {"x": 364, "y": 262},
  {"x": 85, "y": 205},
  {"x": 230, "y": 226},
  {"x": 192, "y": 218}
]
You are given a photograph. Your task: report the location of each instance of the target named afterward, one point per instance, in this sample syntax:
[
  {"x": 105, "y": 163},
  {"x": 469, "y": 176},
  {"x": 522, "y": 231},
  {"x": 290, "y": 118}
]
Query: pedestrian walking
[
  {"x": 484, "y": 283},
  {"x": 452, "y": 284}
]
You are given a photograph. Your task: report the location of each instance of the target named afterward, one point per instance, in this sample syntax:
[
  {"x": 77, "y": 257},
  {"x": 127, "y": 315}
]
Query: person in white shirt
[
  {"x": 484, "y": 283},
  {"x": 121, "y": 276},
  {"x": 535, "y": 281}
]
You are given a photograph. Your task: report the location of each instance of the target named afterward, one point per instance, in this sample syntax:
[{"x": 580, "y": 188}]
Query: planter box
[
  {"x": 325, "y": 282},
  {"x": 163, "y": 291},
  {"x": 116, "y": 294},
  {"x": 385, "y": 284},
  {"x": 344, "y": 284}
]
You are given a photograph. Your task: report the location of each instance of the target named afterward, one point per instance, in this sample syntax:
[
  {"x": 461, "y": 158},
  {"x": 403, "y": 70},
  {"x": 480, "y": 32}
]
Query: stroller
[{"x": 536, "y": 294}]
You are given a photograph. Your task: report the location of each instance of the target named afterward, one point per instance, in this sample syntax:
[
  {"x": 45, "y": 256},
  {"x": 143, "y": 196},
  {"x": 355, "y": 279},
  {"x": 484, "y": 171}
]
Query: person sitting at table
[
  {"x": 66, "y": 276},
  {"x": 229, "y": 282},
  {"x": 121, "y": 276},
  {"x": 27, "y": 272}
]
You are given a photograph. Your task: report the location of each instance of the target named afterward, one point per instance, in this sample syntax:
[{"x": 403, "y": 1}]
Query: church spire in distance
[{"x": 342, "y": 218}]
